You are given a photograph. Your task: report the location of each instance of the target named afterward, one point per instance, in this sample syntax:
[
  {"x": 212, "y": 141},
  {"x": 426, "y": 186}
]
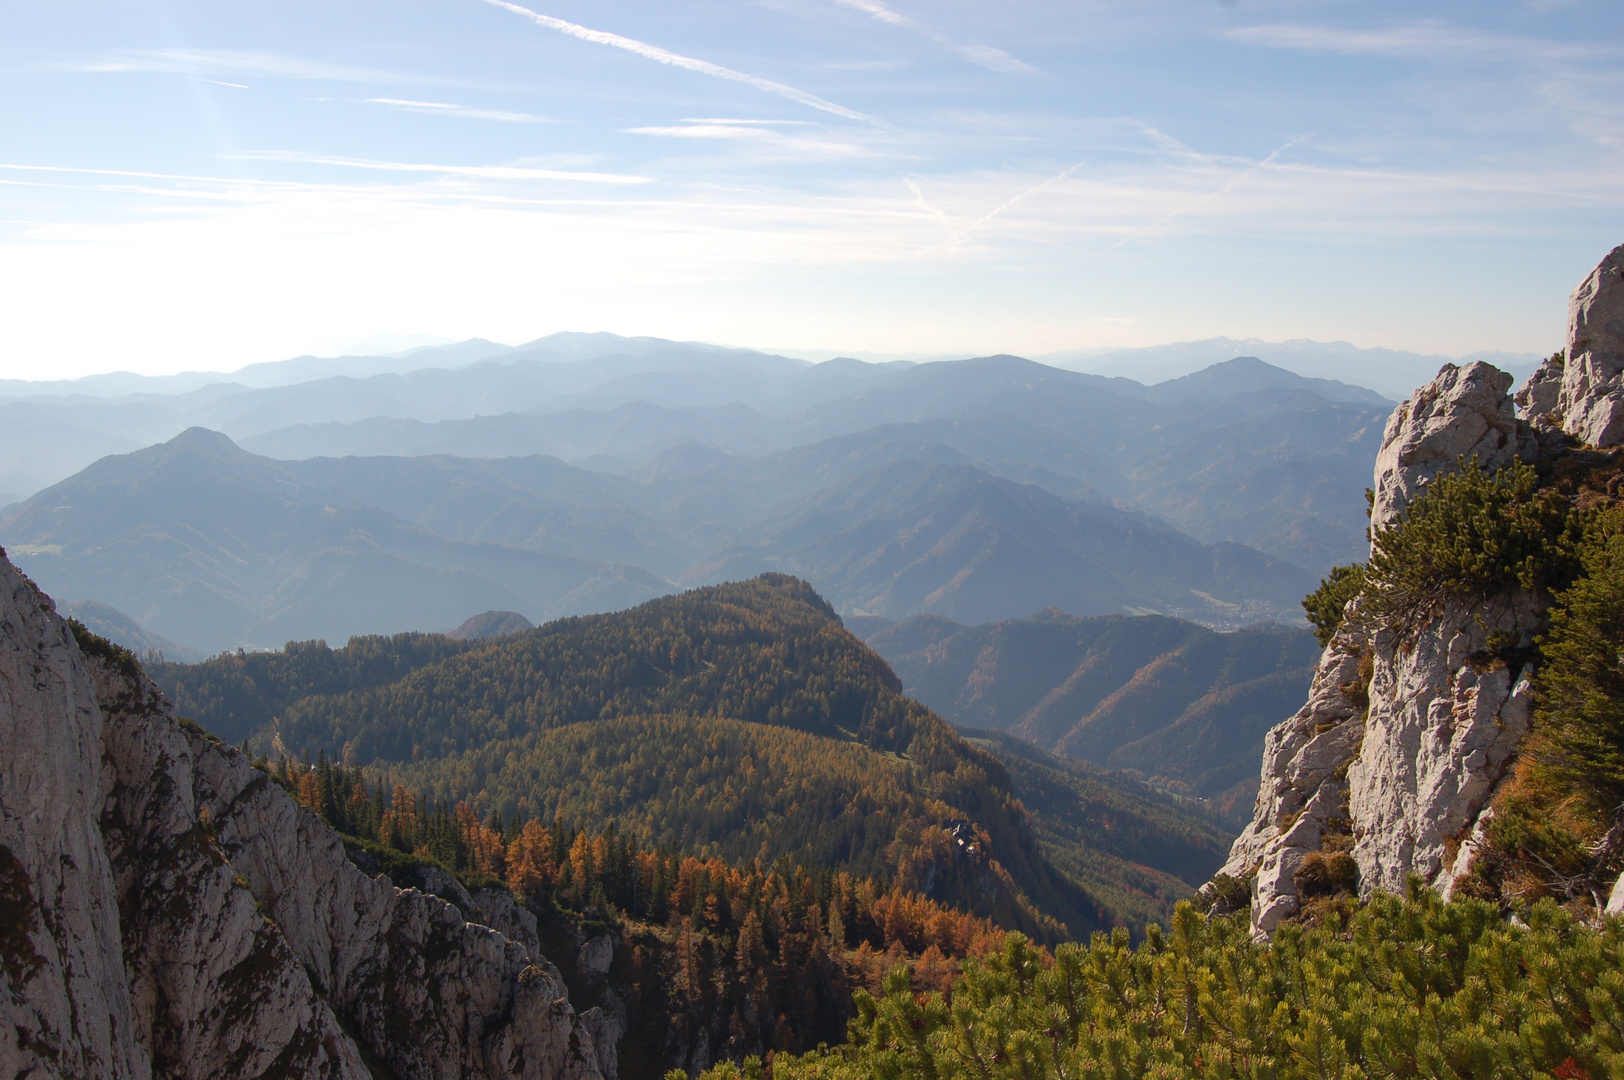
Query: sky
[{"x": 202, "y": 184}]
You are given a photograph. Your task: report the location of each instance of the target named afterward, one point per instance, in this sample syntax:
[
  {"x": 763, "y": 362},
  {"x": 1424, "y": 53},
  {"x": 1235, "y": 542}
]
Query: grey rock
[
  {"x": 184, "y": 917},
  {"x": 1615, "y": 902},
  {"x": 1539, "y": 399},
  {"x": 1591, "y": 401},
  {"x": 498, "y": 910},
  {"x": 1464, "y": 412},
  {"x": 597, "y": 955},
  {"x": 1415, "y": 769},
  {"x": 1439, "y": 738}
]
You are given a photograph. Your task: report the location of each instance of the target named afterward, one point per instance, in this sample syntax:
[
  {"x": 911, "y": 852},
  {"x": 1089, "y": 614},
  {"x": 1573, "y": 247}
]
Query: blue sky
[{"x": 208, "y": 183}]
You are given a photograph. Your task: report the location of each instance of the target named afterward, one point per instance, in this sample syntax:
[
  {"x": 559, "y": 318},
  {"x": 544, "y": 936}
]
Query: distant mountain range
[
  {"x": 1394, "y": 372},
  {"x": 1173, "y": 702},
  {"x": 543, "y": 483}
]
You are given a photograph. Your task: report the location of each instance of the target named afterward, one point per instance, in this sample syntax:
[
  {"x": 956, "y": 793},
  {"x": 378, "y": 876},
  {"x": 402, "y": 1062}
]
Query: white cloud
[
  {"x": 485, "y": 172},
  {"x": 688, "y": 63},
  {"x": 755, "y": 134},
  {"x": 201, "y": 61},
  {"x": 877, "y": 10},
  {"x": 984, "y": 55},
  {"x": 1428, "y": 38},
  {"x": 439, "y": 108}
]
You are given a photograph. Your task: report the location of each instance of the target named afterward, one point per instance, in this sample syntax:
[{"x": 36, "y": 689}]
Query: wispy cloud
[
  {"x": 484, "y": 172},
  {"x": 984, "y": 55},
  {"x": 440, "y": 108},
  {"x": 203, "y": 61},
  {"x": 876, "y": 9},
  {"x": 957, "y": 238},
  {"x": 752, "y": 132},
  {"x": 688, "y": 63},
  {"x": 1424, "y": 38}
]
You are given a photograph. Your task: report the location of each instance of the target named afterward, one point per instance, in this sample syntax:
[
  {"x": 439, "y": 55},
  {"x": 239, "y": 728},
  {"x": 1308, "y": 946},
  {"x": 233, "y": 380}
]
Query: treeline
[
  {"x": 1398, "y": 988},
  {"x": 769, "y": 651},
  {"x": 237, "y": 695}
]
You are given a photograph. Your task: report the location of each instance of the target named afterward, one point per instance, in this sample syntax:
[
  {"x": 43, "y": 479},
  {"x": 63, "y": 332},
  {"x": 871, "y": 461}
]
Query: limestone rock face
[
  {"x": 1590, "y": 403},
  {"x": 1465, "y": 411},
  {"x": 65, "y": 1006},
  {"x": 166, "y": 910},
  {"x": 1304, "y": 791},
  {"x": 1402, "y": 743},
  {"x": 1442, "y": 729}
]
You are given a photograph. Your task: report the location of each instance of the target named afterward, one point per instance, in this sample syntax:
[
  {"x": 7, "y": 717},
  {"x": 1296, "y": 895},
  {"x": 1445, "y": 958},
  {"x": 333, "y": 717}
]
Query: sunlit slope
[{"x": 741, "y": 719}]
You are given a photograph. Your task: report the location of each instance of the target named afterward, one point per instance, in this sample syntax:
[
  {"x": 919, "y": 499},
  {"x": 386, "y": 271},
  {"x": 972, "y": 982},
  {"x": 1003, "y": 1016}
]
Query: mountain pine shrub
[
  {"x": 1559, "y": 824},
  {"x": 1398, "y": 988},
  {"x": 1326, "y": 604},
  {"x": 1469, "y": 536}
]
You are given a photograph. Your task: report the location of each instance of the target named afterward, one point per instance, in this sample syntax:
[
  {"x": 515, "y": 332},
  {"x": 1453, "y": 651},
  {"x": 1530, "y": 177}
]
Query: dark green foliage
[
  {"x": 1555, "y": 831},
  {"x": 1581, "y": 711},
  {"x": 1470, "y": 536},
  {"x": 1326, "y": 604},
  {"x": 1414, "y": 988},
  {"x": 122, "y": 660},
  {"x": 769, "y": 650},
  {"x": 236, "y": 695},
  {"x": 1224, "y": 895}
]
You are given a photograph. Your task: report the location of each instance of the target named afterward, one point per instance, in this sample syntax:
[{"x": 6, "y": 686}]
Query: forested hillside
[
  {"x": 741, "y": 720},
  {"x": 729, "y": 780}
]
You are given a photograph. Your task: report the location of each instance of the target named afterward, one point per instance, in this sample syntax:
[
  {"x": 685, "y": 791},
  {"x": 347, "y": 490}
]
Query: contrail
[
  {"x": 664, "y": 56},
  {"x": 989, "y": 215}
]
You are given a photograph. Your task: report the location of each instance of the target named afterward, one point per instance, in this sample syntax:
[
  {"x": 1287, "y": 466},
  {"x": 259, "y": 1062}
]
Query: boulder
[{"x": 1464, "y": 412}]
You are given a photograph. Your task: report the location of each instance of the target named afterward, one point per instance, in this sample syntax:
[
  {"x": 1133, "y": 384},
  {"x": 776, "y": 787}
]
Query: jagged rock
[
  {"x": 1590, "y": 403},
  {"x": 1539, "y": 399},
  {"x": 1615, "y": 902},
  {"x": 1300, "y": 792},
  {"x": 1402, "y": 742},
  {"x": 171, "y": 912},
  {"x": 1465, "y": 411},
  {"x": 498, "y": 910},
  {"x": 1442, "y": 729}
]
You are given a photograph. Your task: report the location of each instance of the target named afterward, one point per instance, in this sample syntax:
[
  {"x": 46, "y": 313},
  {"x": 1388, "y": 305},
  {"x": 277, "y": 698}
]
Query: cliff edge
[
  {"x": 167, "y": 910},
  {"x": 1390, "y": 769}
]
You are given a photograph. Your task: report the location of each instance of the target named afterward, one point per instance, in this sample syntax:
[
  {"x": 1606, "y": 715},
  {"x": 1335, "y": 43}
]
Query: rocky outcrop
[
  {"x": 166, "y": 910},
  {"x": 1403, "y": 741},
  {"x": 1589, "y": 399},
  {"x": 1445, "y": 720},
  {"x": 1395, "y": 758},
  {"x": 1579, "y": 392},
  {"x": 1464, "y": 412}
]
